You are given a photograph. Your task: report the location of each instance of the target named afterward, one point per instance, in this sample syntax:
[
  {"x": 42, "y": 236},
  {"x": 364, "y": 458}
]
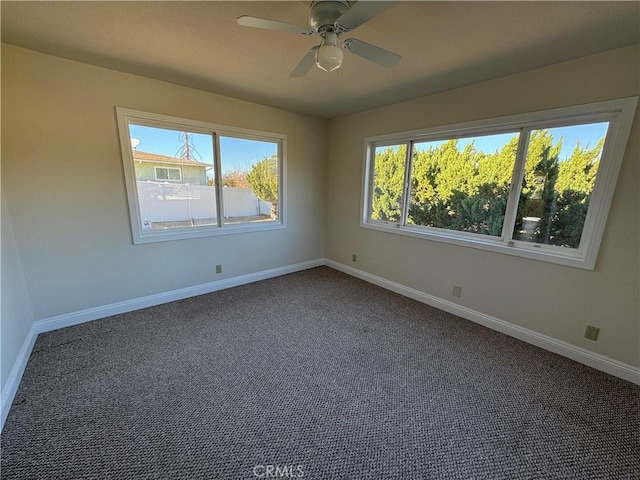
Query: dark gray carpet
[{"x": 320, "y": 375}]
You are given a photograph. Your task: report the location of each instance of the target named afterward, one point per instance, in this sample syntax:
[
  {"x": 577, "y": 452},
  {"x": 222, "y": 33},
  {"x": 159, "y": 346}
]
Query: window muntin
[
  {"x": 172, "y": 167},
  {"x": 586, "y": 142}
]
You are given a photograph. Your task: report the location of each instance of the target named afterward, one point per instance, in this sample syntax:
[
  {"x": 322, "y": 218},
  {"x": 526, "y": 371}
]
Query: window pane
[
  {"x": 174, "y": 177},
  {"x": 463, "y": 184},
  {"x": 388, "y": 181},
  {"x": 174, "y": 174},
  {"x": 560, "y": 172},
  {"x": 161, "y": 173},
  {"x": 250, "y": 180}
]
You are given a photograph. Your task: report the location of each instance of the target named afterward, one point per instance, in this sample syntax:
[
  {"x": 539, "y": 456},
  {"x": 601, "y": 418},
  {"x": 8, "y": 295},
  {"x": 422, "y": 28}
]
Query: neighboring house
[
  {"x": 172, "y": 189},
  {"x": 161, "y": 168}
]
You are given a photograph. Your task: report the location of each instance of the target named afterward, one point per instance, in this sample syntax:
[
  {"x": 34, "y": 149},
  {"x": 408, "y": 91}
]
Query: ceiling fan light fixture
[{"x": 329, "y": 55}]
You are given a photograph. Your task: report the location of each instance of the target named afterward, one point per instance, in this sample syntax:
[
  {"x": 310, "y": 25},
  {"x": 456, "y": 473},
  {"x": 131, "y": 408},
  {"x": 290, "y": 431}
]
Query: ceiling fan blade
[
  {"x": 371, "y": 52},
  {"x": 362, "y": 12},
  {"x": 308, "y": 61},
  {"x": 255, "y": 22}
]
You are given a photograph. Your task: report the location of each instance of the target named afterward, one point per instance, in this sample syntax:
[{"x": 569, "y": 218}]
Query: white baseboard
[
  {"x": 12, "y": 383},
  {"x": 581, "y": 355},
  {"x": 69, "y": 319},
  {"x": 75, "y": 318},
  {"x": 597, "y": 361}
]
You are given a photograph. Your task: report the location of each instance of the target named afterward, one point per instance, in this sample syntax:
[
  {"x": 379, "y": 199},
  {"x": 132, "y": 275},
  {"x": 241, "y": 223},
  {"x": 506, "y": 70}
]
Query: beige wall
[
  {"x": 553, "y": 300},
  {"x": 59, "y": 128},
  {"x": 16, "y": 316},
  {"x": 74, "y": 236}
]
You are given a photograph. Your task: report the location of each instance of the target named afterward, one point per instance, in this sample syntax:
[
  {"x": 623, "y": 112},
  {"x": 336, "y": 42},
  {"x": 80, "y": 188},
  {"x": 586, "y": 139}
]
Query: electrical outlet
[
  {"x": 457, "y": 291},
  {"x": 353, "y": 257},
  {"x": 591, "y": 332},
  {"x": 218, "y": 268}
]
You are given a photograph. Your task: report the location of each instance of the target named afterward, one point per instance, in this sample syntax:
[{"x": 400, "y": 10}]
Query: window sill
[
  {"x": 518, "y": 249},
  {"x": 153, "y": 236}
]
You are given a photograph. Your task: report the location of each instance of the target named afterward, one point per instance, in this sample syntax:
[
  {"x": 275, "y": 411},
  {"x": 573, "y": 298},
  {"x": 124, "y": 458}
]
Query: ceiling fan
[{"x": 329, "y": 19}]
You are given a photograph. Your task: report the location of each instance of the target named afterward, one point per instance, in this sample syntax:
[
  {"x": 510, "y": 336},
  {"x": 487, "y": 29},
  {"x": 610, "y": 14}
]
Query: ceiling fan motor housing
[{"x": 324, "y": 14}]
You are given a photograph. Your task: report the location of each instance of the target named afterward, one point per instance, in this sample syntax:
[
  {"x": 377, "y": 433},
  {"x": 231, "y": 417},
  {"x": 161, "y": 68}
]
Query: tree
[
  {"x": 537, "y": 196},
  {"x": 467, "y": 190},
  {"x": 263, "y": 179},
  {"x": 576, "y": 178},
  {"x": 481, "y": 212},
  {"x": 497, "y": 168},
  {"x": 461, "y": 190},
  {"x": 578, "y": 173},
  {"x": 235, "y": 178},
  {"x": 388, "y": 181},
  {"x": 568, "y": 220}
]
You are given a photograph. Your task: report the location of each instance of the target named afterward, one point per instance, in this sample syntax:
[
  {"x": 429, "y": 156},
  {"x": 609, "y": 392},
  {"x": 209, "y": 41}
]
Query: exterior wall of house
[
  {"x": 192, "y": 174},
  {"x": 553, "y": 300}
]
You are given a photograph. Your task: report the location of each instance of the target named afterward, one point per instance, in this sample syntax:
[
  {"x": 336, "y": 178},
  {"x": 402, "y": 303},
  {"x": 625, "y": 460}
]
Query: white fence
[{"x": 169, "y": 202}]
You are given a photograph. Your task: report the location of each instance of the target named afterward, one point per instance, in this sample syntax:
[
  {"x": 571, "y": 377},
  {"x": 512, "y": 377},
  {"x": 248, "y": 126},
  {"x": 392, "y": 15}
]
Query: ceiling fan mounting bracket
[{"x": 324, "y": 14}]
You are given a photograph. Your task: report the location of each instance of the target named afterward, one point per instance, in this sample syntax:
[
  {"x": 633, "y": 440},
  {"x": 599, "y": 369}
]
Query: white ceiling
[{"x": 443, "y": 45}]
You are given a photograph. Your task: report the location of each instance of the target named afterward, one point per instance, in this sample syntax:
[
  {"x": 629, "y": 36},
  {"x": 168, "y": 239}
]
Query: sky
[
  {"x": 236, "y": 153},
  {"x": 241, "y": 154},
  {"x": 588, "y": 135}
]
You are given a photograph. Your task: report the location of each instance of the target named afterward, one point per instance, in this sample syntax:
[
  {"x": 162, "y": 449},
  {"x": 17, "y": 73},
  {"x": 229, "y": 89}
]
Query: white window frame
[
  {"x": 619, "y": 113},
  {"x": 126, "y": 116},
  {"x": 155, "y": 172}
]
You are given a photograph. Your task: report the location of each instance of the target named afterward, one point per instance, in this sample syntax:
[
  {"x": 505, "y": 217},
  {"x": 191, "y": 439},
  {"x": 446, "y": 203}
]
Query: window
[
  {"x": 249, "y": 164},
  {"x": 536, "y": 185},
  {"x": 168, "y": 173},
  {"x": 189, "y": 179}
]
